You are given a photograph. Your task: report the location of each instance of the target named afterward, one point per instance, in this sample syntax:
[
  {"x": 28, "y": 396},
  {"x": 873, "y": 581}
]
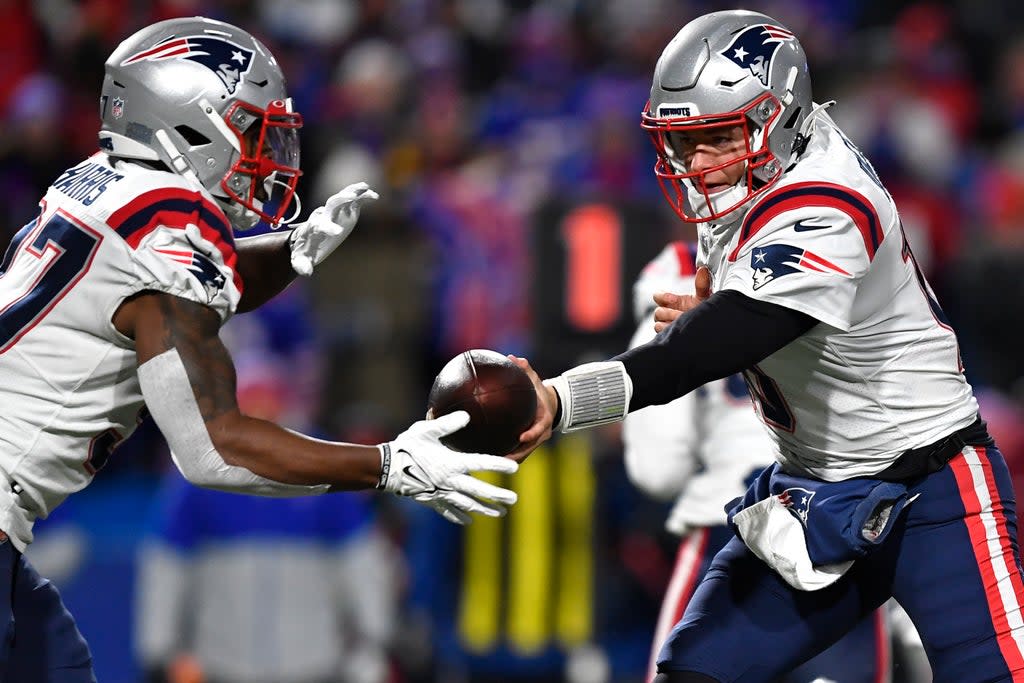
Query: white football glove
[
  {"x": 328, "y": 226},
  {"x": 416, "y": 464}
]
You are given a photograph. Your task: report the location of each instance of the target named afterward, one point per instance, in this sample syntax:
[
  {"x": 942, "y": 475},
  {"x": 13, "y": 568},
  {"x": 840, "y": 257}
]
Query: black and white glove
[
  {"x": 416, "y": 464},
  {"x": 328, "y": 226}
]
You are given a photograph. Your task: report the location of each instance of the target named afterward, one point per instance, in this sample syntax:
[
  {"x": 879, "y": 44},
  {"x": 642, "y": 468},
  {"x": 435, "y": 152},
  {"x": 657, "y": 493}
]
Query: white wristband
[
  {"x": 385, "y": 464},
  {"x": 561, "y": 388},
  {"x": 592, "y": 394}
]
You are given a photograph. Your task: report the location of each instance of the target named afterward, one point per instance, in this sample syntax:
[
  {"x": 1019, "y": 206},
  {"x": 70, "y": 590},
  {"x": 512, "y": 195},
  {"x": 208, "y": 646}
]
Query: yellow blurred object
[{"x": 528, "y": 577}]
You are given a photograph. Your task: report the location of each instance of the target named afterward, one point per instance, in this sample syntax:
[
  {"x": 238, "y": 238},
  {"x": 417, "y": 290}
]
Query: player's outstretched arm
[
  {"x": 710, "y": 341},
  {"x": 264, "y": 264},
  {"x": 188, "y": 381},
  {"x": 178, "y": 347},
  {"x": 268, "y": 263}
]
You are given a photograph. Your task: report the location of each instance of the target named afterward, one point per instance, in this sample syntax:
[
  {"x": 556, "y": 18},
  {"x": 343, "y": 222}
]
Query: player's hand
[
  {"x": 671, "y": 306},
  {"x": 424, "y": 469},
  {"x": 547, "y": 404},
  {"x": 328, "y": 226}
]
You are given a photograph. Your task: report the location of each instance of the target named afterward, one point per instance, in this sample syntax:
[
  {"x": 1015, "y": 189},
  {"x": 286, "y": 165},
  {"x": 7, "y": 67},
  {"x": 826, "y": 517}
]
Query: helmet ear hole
[{"x": 192, "y": 136}]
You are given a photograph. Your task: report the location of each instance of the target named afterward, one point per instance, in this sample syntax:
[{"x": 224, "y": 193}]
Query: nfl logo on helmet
[
  {"x": 754, "y": 48},
  {"x": 229, "y": 61}
]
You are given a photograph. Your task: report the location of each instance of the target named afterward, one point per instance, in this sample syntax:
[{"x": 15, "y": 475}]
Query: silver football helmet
[
  {"x": 723, "y": 70},
  {"x": 207, "y": 100}
]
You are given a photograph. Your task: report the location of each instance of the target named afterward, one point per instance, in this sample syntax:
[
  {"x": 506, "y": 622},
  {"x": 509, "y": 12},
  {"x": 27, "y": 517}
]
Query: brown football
[{"x": 497, "y": 394}]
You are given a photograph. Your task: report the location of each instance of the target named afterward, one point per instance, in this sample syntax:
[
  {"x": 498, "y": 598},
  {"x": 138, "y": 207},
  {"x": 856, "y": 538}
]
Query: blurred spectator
[
  {"x": 480, "y": 262},
  {"x": 240, "y": 589},
  {"x": 32, "y": 134},
  {"x": 21, "y": 51},
  {"x": 987, "y": 292}
]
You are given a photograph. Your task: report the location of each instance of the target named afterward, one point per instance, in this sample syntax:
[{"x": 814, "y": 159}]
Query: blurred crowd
[{"x": 503, "y": 137}]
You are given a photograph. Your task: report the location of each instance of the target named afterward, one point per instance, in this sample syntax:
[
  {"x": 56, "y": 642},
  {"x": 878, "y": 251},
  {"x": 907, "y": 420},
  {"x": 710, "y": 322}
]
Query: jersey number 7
[{"x": 57, "y": 253}]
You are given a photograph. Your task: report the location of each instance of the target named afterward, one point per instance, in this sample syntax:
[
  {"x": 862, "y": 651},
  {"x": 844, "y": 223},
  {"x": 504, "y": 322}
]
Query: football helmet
[
  {"x": 724, "y": 70},
  {"x": 207, "y": 100}
]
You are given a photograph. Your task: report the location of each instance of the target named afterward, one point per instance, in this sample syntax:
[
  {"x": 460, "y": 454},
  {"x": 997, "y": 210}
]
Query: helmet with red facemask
[
  {"x": 723, "y": 71},
  {"x": 207, "y": 100}
]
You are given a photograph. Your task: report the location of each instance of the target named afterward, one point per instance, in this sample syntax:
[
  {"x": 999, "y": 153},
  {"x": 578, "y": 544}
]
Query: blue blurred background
[{"x": 517, "y": 205}]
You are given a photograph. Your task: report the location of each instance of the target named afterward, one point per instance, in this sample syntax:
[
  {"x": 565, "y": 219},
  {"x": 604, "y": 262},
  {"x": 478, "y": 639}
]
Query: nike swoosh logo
[
  {"x": 804, "y": 227},
  {"x": 427, "y": 486}
]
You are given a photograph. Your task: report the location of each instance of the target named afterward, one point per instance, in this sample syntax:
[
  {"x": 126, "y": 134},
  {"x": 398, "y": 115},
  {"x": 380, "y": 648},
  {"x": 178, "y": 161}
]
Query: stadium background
[{"x": 517, "y": 204}]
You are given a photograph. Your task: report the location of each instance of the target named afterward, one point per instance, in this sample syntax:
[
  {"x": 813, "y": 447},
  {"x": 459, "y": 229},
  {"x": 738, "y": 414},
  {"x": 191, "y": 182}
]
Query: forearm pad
[
  {"x": 592, "y": 394},
  {"x": 170, "y": 399}
]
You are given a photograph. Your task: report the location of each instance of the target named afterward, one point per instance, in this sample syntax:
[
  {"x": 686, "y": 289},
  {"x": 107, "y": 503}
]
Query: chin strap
[
  {"x": 268, "y": 184},
  {"x": 175, "y": 159}
]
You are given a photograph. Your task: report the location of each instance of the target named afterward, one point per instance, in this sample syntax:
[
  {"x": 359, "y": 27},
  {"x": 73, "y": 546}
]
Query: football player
[
  {"x": 701, "y": 451},
  {"x": 886, "y": 481},
  {"x": 112, "y": 297}
]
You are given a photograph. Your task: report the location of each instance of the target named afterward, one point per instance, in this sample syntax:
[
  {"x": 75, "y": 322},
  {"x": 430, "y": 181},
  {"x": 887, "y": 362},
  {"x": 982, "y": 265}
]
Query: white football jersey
[
  {"x": 881, "y": 374},
  {"x": 701, "y": 448},
  {"x": 70, "y": 391}
]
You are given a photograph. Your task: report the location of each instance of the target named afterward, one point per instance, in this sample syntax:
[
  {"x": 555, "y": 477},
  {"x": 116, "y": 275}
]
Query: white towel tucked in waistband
[{"x": 775, "y": 535}]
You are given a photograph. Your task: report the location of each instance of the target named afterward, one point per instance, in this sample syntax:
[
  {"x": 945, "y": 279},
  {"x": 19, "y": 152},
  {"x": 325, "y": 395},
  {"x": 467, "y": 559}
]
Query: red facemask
[
  {"x": 270, "y": 152},
  {"x": 672, "y": 175}
]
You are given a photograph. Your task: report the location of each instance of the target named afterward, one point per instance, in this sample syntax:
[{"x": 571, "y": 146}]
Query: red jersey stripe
[
  {"x": 824, "y": 262},
  {"x": 802, "y": 195},
  {"x": 176, "y": 208}
]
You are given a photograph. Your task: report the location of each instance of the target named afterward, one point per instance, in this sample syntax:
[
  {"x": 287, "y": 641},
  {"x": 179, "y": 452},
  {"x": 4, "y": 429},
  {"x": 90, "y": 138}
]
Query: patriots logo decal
[
  {"x": 754, "y": 47},
  {"x": 775, "y": 260},
  {"x": 798, "y": 500},
  {"x": 226, "y": 59},
  {"x": 201, "y": 266}
]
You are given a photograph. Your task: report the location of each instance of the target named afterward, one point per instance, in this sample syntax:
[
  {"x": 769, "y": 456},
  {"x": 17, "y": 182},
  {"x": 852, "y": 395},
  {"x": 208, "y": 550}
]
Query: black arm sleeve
[{"x": 727, "y": 333}]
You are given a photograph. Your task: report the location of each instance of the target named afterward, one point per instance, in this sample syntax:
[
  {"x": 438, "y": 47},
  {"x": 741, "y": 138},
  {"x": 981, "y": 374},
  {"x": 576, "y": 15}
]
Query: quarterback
[
  {"x": 111, "y": 301},
  {"x": 886, "y": 482},
  {"x": 701, "y": 451}
]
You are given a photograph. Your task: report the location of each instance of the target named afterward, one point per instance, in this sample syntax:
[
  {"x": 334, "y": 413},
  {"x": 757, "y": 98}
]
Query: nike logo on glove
[
  {"x": 804, "y": 227},
  {"x": 428, "y": 487}
]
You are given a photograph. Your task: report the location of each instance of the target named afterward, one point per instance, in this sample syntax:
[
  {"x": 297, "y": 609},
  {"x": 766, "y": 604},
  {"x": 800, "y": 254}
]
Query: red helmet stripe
[{"x": 161, "y": 51}]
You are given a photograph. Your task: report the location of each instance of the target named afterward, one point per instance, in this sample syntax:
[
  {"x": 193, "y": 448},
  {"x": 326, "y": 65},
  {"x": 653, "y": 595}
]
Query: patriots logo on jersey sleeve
[
  {"x": 798, "y": 500},
  {"x": 775, "y": 260},
  {"x": 200, "y": 265},
  {"x": 754, "y": 48},
  {"x": 226, "y": 59}
]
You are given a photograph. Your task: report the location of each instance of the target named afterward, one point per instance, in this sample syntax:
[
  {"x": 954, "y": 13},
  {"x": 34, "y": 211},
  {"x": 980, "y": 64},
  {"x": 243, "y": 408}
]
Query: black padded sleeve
[{"x": 727, "y": 333}]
